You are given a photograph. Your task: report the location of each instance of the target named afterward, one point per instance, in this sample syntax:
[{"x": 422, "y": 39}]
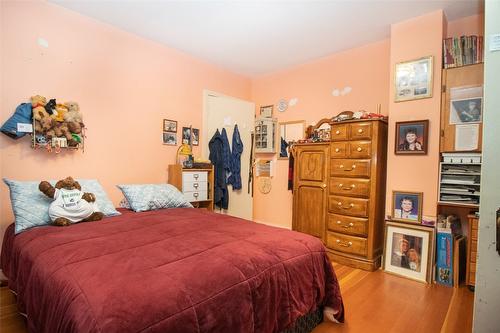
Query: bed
[{"x": 169, "y": 270}]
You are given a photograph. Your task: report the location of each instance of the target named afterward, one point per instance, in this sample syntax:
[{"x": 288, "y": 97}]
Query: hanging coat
[
  {"x": 21, "y": 115},
  {"x": 226, "y": 154},
  {"x": 284, "y": 145},
  {"x": 221, "y": 195},
  {"x": 236, "y": 151}
]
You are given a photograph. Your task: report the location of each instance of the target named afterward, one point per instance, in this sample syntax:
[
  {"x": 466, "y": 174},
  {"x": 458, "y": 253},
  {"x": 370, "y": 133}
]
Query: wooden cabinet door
[
  {"x": 464, "y": 77},
  {"x": 310, "y": 189}
]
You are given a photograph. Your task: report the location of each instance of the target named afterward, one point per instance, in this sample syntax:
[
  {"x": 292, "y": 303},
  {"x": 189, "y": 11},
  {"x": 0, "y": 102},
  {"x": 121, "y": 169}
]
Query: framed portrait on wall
[
  {"x": 409, "y": 251},
  {"x": 266, "y": 111},
  {"x": 407, "y": 206},
  {"x": 411, "y": 137},
  {"x": 413, "y": 79},
  {"x": 195, "y": 137},
  {"x": 169, "y": 138},
  {"x": 169, "y": 125},
  {"x": 186, "y": 135}
]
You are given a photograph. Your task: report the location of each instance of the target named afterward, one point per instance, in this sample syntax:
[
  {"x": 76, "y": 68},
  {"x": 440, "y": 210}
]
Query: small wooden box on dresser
[
  {"x": 195, "y": 184},
  {"x": 339, "y": 191}
]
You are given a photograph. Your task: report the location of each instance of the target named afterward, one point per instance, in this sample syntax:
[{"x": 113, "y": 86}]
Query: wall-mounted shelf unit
[
  {"x": 265, "y": 135},
  {"x": 460, "y": 180}
]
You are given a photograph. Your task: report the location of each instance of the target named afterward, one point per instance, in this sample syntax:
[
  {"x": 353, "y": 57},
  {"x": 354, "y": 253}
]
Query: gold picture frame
[
  {"x": 266, "y": 111},
  {"x": 409, "y": 251},
  {"x": 413, "y": 79}
]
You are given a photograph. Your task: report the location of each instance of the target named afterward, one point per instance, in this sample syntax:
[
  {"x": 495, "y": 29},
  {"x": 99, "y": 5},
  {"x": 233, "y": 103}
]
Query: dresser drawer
[
  {"x": 350, "y": 186},
  {"x": 347, "y": 244},
  {"x": 196, "y": 195},
  {"x": 194, "y": 176},
  {"x": 348, "y": 206},
  {"x": 339, "y": 132},
  {"x": 348, "y": 225},
  {"x": 360, "y": 149},
  {"x": 194, "y": 186},
  {"x": 350, "y": 168},
  {"x": 360, "y": 131},
  {"x": 339, "y": 149}
]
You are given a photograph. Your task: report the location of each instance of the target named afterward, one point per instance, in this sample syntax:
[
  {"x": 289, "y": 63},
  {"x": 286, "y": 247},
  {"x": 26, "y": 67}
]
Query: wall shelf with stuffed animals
[{"x": 53, "y": 126}]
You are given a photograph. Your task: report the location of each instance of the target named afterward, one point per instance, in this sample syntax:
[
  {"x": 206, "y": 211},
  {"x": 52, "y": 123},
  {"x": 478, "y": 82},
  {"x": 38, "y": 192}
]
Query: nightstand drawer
[
  {"x": 347, "y": 244},
  {"x": 194, "y": 186},
  {"x": 194, "y": 176},
  {"x": 196, "y": 196}
]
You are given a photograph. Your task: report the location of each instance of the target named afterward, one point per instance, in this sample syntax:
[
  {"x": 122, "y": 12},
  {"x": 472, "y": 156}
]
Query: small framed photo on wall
[
  {"x": 266, "y": 111},
  {"x": 195, "y": 137},
  {"x": 170, "y": 138},
  {"x": 409, "y": 251},
  {"x": 411, "y": 137},
  {"x": 169, "y": 125},
  {"x": 413, "y": 79},
  {"x": 186, "y": 135},
  {"x": 407, "y": 206}
]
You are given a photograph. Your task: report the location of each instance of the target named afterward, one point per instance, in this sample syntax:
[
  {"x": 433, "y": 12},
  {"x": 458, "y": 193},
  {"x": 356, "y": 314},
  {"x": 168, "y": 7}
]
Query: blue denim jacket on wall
[{"x": 237, "y": 150}]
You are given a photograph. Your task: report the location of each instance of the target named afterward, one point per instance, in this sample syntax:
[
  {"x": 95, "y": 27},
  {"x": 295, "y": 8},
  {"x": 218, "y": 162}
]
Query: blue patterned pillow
[
  {"x": 31, "y": 207},
  {"x": 144, "y": 197}
]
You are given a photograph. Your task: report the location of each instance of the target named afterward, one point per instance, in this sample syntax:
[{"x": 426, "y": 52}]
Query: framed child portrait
[
  {"x": 169, "y": 125},
  {"x": 407, "y": 206},
  {"x": 409, "y": 251},
  {"x": 411, "y": 137},
  {"x": 169, "y": 138},
  {"x": 413, "y": 79}
]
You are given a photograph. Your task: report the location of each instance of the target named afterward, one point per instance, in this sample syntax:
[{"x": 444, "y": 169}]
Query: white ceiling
[{"x": 259, "y": 37}]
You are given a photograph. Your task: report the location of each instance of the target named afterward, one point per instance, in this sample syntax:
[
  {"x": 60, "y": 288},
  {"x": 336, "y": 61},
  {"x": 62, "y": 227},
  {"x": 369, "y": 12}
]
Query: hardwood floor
[{"x": 374, "y": 302}]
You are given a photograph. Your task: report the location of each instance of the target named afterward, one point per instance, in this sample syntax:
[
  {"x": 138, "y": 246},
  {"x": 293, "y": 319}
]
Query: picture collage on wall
[{"x": 190, "y": 136}]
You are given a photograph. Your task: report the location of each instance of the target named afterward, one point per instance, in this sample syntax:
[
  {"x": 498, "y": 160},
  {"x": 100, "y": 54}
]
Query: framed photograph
[
  {"x": 413, "y": 79},
  {"x": 411, "y": 137},
  {"x": 466, "y": 111},
  {"x": 195, "y": 137},
  {"x": 409, "y": 251},
  {"x": 170, "y": 138},
  {"x": 407, "y": 206},
  {"x": 186, "y": 135},
  {"x": 169, "y": 125},
  {"x": 266, "y": 111}
]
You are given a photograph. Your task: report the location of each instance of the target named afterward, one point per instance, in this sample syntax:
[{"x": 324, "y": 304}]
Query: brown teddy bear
[
  {"x": 74, "y": 118},
  {"x": 70, "y": 204}
]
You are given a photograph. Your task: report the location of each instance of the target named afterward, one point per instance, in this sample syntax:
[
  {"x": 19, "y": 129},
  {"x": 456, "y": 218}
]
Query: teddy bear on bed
[{"x": 70, "y": 204}]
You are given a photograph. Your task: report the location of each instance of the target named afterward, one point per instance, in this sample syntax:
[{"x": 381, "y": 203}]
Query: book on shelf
[{"x": 464, "y": 50}]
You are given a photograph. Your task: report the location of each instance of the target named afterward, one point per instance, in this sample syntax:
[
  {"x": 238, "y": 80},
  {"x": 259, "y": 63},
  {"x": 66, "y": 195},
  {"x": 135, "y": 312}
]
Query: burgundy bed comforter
[{"x": 176, "y": 270}]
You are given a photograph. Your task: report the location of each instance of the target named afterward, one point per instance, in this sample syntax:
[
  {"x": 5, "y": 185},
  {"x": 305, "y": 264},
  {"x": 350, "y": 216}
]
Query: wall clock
[
  {"x": 282, "y": 105},
  {"x": 265, "y": 185}
]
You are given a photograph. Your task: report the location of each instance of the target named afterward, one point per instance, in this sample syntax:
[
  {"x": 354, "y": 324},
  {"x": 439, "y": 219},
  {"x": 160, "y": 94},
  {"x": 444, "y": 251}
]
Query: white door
[{"x": 224, "y": 112}]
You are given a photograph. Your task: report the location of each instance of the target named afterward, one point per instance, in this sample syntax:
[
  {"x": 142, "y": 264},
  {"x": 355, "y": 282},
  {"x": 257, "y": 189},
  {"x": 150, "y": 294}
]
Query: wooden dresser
[
  {"x": 472, "y": 250},
  {"x": 339, "y": 192}
]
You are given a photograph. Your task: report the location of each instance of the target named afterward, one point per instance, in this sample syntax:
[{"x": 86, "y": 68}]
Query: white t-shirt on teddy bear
[{"x": 69, "y": 204}]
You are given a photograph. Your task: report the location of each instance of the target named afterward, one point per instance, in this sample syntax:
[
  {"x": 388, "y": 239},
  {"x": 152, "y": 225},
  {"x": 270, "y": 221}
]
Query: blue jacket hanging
[
  {"x": 21, "y": 115},
  {"x": 237, "y": 150},
  {"x": 226, "y": 154},
  {"x": 221, "y": 194}
]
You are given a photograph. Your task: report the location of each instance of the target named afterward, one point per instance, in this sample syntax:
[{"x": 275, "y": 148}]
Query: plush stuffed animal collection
[
  {"x": 70, "y": 204},
  {"x": 61, "y": 122}
]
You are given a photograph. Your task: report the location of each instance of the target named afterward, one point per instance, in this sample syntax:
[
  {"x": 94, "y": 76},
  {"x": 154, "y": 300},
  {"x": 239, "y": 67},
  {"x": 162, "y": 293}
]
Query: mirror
[{"x": 290, "y": 131}]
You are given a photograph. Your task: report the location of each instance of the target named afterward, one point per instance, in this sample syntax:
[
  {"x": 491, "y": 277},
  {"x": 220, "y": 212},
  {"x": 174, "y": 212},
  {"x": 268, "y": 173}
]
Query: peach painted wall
[
  {"x": 364, "y": 69},
  {"x": 412, "y": 39},
  {"x": 470, "y": 25},
  {"x": 125, "y": 86}
]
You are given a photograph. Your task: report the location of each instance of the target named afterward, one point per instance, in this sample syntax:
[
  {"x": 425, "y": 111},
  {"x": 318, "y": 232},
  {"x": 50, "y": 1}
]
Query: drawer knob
[
  {"x": 344, "y": 244},
  {"x": 337, "y": 150},
  {"x": 360, "y": 130},
  {"x": 195, "y": 176},
  {"x": 196, "y": 195},
  {"x": 340, "y": 185},
  {"x": 323, "y": 185},
  {"x": 354, "y": 166},
  {"x": 338, "y": 222},
  {"x": 350, "y": 225},
  {"x": 195, "y": 185},
  {"x": 341, "y": 166},
  {"x": 337, "y": 132},
  {"x": 359, "y": 149}
]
